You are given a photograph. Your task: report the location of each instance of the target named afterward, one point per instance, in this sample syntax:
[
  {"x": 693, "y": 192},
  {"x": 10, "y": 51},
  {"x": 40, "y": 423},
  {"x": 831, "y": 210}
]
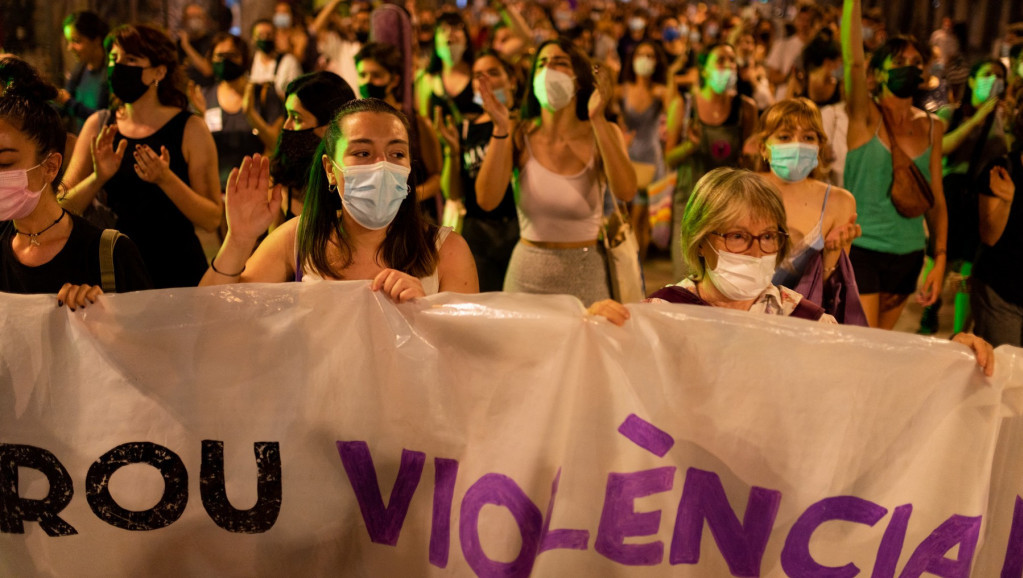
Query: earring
[{"x": 332, "y": 187}]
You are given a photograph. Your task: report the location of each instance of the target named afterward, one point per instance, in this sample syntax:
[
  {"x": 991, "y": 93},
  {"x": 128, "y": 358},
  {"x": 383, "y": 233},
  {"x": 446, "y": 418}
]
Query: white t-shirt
[
  {"x": 340, "y": 56},
  {"x": 280, "y": 75},
  {"x": 782, "y": 57}
]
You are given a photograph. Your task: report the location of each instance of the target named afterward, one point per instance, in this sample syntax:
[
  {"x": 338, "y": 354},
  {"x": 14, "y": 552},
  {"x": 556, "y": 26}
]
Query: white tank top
[
  {"x": 431, "y": 283},
  {"x": 557, "y": 208}
]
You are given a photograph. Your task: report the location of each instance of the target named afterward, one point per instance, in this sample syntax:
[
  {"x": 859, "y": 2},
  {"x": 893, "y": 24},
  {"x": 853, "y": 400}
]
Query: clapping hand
[
  {"x": 603, "y": 93},
  {"x": 150, "y": 167},
  {"x": 498, "y": 113},
  {"x": 105, "y": 159}
]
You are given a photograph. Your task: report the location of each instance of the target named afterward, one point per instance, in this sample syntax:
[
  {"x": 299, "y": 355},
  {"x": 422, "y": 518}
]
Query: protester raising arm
[{"x": 496, "y": 170}]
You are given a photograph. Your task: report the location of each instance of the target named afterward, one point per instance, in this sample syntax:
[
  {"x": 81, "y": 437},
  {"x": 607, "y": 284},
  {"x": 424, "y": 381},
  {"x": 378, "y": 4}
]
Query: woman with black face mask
[
  {"x": 890, "y": 254},
  {"x": 311, "y": 101},
  {"x": 156, "y": 160},
  {"x": 243, "y": 117}
]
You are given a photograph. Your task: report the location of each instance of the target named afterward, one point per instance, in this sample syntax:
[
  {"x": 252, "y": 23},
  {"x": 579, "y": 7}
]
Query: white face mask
[
  {"x": 374, "y": 193},
  {"x": 16, "y": 200},
  {"x": 722, "y": 79},
  {"x": 742, "y": 277},
  {"x": 644, "y": 66},
  {"x": 501, "y": 94},
  {"x": 553, "y": 88}
]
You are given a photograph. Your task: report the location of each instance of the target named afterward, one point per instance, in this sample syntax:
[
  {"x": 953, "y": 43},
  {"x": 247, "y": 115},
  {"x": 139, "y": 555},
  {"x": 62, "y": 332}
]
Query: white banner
[{"x": 316, "y": 428}]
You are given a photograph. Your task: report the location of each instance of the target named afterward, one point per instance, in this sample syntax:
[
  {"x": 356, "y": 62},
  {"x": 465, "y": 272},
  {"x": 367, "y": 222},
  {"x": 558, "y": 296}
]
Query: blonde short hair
[
  {"x": 720, "y": 198},
  {"x": 793, "y": 114}
]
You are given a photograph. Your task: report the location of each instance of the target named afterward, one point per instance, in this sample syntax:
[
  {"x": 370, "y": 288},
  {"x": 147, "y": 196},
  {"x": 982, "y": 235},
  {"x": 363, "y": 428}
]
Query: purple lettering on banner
[
  {"x": 499, "y": 490},
  {"x": 741, "y": 545},
  {"x": 1013, "y": 565},
  {"x": 646, "y": 435},
  {"x": 560, "y": 539},
  {"x": 929, "y": 556},
  {"x": 445, "y": 473},
  {"x": 383, "y": 523},
  {"x": 619, "y": 519},
  {"x": 891, "y": 544},
  {"x": 795, "y": 556}
]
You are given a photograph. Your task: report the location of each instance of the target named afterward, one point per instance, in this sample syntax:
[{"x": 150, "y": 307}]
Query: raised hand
[
  {"x": 446, "y": 131},
  {"x": 105, "y": 159},
  {"x": 400, "y": 287},
  {"x": 497, "y": 112},
  {"x": 603, "y": 94},
  {"x": 249, "y": 207},
  {"x": 150, "y": 167}
]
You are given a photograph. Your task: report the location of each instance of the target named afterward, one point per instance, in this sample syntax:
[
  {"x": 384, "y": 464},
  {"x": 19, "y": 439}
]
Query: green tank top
[{"x": 868, "y": 176}]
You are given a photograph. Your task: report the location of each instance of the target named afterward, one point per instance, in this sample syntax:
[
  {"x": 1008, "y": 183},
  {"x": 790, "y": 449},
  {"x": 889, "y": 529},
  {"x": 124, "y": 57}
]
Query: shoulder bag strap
[{"x": 108, "y": 278}]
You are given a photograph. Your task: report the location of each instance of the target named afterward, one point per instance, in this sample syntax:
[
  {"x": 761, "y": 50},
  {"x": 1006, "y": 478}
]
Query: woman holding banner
[
  {"x": 734, "y": 235},
  {"x": 43, "y": 248},
  {"x": 360, "y": 220}
]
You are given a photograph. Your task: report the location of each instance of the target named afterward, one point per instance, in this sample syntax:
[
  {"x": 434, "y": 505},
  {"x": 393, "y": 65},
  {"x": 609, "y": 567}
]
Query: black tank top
[{"x": 163, "y": 234}]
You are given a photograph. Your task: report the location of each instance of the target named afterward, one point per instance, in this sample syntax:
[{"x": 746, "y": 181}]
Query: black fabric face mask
[
  {"x": 266, "y": 46},
  {"x": 903, "y": 81},
  {"x": 125, "y": 82},
  {"x": 370, "y": 90},
  {"x": 227, "y": 70},
  {"x": 292, "y": 157}
]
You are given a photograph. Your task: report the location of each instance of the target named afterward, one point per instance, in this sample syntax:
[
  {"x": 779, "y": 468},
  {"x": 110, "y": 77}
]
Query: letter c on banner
[
  {"x": 795, "y": 556},
  {"x": 499, "y": 490},
  {"x": 175, "y": 486}
]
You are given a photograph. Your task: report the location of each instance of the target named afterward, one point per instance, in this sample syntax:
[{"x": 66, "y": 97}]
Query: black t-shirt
[
  {"x": 998, "y": 266},
  {"x": 475, "y": 140},
  {"x": 76, "y": 263}
]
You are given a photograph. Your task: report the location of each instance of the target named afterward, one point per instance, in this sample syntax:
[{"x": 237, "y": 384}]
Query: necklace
[{"x": 33, "y": 238}]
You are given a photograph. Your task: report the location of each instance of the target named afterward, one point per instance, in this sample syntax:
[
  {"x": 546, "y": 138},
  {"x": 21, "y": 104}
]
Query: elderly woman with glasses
[{"x": 733, "y": 238}]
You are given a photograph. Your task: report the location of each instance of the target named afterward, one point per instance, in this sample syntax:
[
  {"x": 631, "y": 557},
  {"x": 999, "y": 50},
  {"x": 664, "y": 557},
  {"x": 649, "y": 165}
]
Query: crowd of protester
[{"x": 341, "y": 140}]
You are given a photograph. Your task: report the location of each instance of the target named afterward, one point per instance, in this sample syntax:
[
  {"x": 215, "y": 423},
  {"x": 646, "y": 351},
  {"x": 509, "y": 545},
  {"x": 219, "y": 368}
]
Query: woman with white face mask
[
  {"x": 43, "y": 248},
  {"x": 642, "y": 96},
  {"x": 361, "y": 220},
  {"x": 563, "y": 152},
  {"x": 821, "y": 218},
  {"x": 733, "y": 238},
  {"x": 707, "y": 129}
]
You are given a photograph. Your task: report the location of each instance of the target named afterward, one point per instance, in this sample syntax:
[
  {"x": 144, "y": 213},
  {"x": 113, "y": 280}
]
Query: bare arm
[
  {"x": 994, "y": 209},
  {"x": 842, "y": 213},
  {"x": 621, "y": 176},
  {"x": 496, "y": 170},
  {"x": 455, "y": 266},
  {"x": 516, "y": 23},
  {"x": 266, "y": 132},
  {"x": 433, "y": 161},
  {"x": 937, "y": 224},
  {"x": 250, "y": 209},
  {"x": 450, "y": 176},
  {"x": 198, "y": 61},
  {"x": 679, "y": 145},
  {"x": 323, "y": 16},
  {"x": 953, "y": 139},
  {"x": 94, "y": 162},
  {"x": 856, "y": 93},
  {"x": 200, "y": 201}
]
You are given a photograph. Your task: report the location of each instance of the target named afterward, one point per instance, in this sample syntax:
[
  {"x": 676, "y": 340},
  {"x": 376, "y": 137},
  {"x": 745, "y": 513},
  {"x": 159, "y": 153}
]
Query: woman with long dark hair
[
  {"x": 361, "y": 220},
  {"x": 155, "y": 160},
  {"x": 565, "y": 152}
]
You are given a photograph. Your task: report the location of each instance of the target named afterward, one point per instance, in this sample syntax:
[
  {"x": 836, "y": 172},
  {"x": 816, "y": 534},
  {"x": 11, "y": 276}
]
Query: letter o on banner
[
  {"x": 175, "y": 486},
  {"x": 499, "y": 490}
]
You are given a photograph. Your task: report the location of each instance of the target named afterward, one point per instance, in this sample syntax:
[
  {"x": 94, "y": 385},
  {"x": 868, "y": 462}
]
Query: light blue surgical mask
[
  {"x": 987, "y": 87},
  {"x": 721, "y": 80},
  {"x": 793, "y": 162},
  {"x": 501, "y": 94},
  {"x": 374, "y": 193}
]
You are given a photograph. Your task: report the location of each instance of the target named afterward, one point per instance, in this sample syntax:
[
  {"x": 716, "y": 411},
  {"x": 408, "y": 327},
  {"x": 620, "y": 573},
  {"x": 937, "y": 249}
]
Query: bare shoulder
[
  {"x": 454, "y": 246},
  {"x": 841, "y": 202}
]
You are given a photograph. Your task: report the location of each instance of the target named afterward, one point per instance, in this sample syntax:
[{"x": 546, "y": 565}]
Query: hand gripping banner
[{"x": 319, "y": 429}]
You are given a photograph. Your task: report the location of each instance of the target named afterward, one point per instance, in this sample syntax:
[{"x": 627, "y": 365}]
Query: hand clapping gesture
[
  {"x": 250, "y": 208},
  {"x": 150, "y": 167},
  {"x": 446, "y": 131},
  {"x": 105, "y": 159},
  {"x": 498, "y": 113}
]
